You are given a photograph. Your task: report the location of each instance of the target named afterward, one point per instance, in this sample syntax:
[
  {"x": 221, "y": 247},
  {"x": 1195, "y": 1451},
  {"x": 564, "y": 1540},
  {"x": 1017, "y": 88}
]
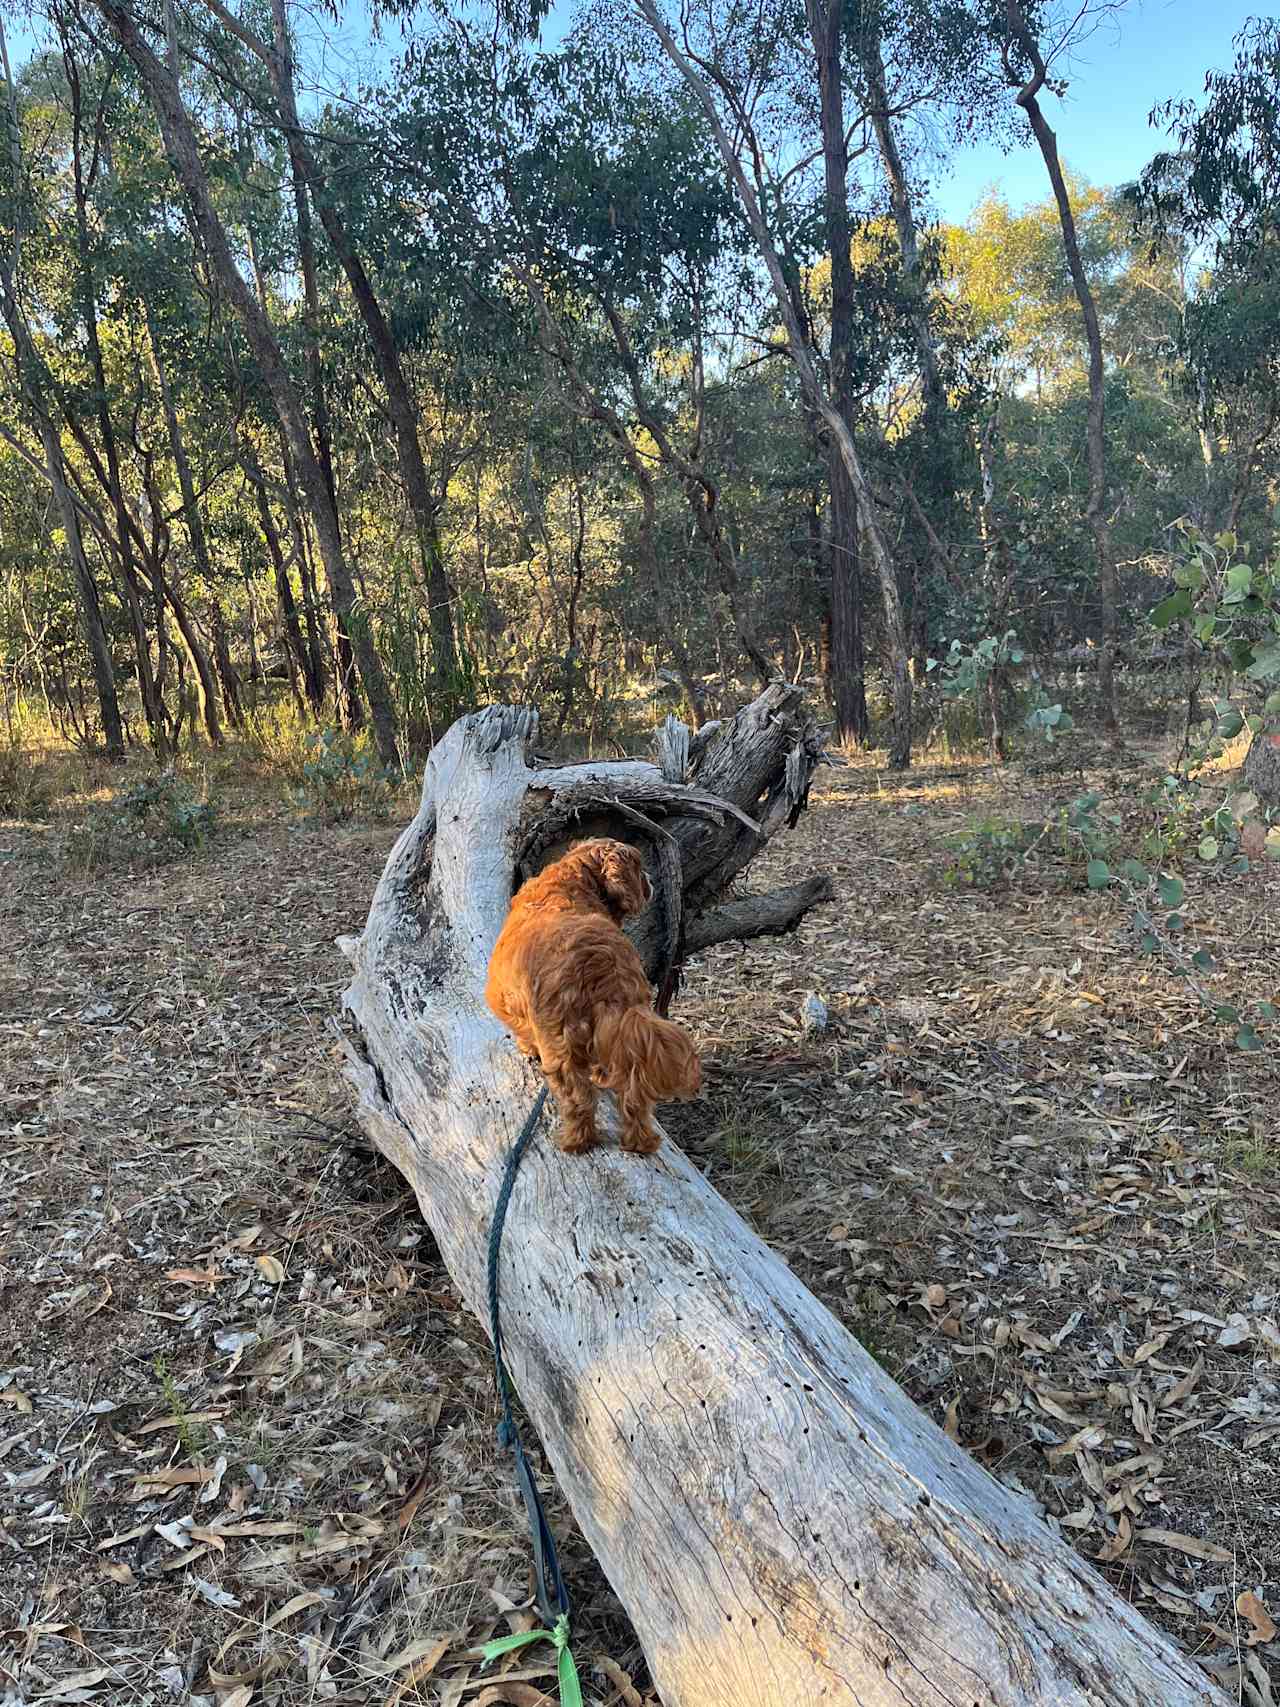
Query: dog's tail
[{"x": 639, "y": 1055}]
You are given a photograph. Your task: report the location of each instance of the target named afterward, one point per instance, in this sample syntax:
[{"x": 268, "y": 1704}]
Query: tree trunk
[
  {"x": 780, "y": 1522},
  {"x": 206, "y": 684},
  {"x": 933, "y": 473},
  {"x": 816, "y": 393},
  {"x": 931, "y": 388},
  {"x": 1262, "y": 768},
  {"x": 181, "y": 147},
  {"x": 1095, "y": 445},
  {"x": 997, "y": 580},
  {"x": 846, "y": 655},
  {"x": 90, "y": 606},
  {"x": 32, "y": 376},
  {"x": 294, "y": 643},
  {"x": 701, "y": 492},
  {"x": 400, "y": 401},
  {"x": 227, "y": 675},
  {"x": 848, "y": 675},
  {"x": 401, "y": 406},
  {"x": 199, "y": 544},
  {"x": 312, "y": 609}
]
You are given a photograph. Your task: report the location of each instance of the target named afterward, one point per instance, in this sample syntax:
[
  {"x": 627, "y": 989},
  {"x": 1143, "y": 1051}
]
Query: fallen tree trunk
[{"x": 782, "y": 1525}]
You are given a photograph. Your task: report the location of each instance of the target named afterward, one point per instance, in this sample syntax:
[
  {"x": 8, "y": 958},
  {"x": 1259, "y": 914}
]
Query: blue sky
[{"x": 1152, "y": 51}]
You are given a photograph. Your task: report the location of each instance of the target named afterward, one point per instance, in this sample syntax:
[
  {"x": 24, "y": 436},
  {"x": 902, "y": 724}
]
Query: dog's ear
[{"x": 623, "y": 877}]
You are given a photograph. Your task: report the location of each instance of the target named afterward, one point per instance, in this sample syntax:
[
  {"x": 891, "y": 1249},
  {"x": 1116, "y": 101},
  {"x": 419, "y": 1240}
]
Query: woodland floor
[{"x": 246, "y": 1430}]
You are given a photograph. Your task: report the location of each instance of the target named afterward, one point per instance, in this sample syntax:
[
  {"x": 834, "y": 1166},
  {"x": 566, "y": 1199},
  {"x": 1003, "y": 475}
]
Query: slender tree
[
  {"x": 1027, "y": 72},
  {"x": 160, "y": 81}
]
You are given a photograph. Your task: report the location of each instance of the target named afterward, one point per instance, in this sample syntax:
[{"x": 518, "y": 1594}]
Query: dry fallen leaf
[
  {"x": 179, "y": 1476},
  {"x": 77, "y": 1681},
  {"x": 194, "y": 1277},
  {"x": 1238, "y": 1331},
  {"x": 181, "y": 1421},
  {"x": 421, "y": 1668},
  {"x": 628, "y": 1694},
  {"x": 514, "y": 1694},
  {"x": 1118, "y": 1544},
  {"x": 1249, "y": 1606},
  {"x": 1190, "y": 1544},
  {"x": 1185, "y": 1387}
]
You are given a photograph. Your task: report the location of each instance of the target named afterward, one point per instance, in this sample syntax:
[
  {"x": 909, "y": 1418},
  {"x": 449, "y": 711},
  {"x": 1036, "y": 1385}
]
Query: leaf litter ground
[{"x": 246, "y": 1427}]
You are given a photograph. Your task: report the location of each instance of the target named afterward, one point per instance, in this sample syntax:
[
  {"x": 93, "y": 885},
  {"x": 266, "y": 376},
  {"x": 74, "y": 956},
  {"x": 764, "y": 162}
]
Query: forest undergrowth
[{"x": 246, "y": 1427}]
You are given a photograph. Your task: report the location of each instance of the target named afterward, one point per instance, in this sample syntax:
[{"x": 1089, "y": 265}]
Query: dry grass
[{"x": 246, "y": 1426}]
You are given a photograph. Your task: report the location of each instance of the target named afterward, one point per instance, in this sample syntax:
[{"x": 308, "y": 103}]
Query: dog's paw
[
  {"x": 577, "y": 1140},
  {"x": 641, "y": 1140}
]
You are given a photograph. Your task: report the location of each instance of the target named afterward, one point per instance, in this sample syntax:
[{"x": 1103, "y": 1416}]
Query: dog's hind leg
[
  {"x": 639, "y": 1134},
  {"x": 576, "y": 1099}
]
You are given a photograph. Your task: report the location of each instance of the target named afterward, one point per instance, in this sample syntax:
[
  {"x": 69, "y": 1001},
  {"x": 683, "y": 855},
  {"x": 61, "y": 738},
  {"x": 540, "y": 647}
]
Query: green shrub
[
  {"x": 277, "y": 737},
  {"x": 160, "y": 818},
  {"x": 167, "y": 808},
  {"x": 342, "y": 778},
  {"x": 991, "y": 852}
]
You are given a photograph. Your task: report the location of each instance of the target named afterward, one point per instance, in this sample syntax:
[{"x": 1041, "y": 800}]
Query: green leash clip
[{"x": 566, "y": 1668}]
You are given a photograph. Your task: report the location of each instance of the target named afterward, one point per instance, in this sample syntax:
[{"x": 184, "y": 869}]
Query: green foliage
[
  {"x": 158, "y": 819},
  {"x": 343, "y": 779},
  {"x": 276, "y": 737},
  {"x": 966, "y": 672},
  {"x": 166, "y": 807},
  {"x": 991, "y": 853},
  {"x": 1154, "y": 897}
]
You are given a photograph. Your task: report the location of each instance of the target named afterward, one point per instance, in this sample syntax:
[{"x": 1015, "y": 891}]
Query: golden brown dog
[{"x": 571, "y": 988}]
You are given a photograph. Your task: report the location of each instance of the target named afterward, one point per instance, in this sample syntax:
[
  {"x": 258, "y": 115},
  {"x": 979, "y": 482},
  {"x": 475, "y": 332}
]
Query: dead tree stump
[{"x": 782, "y": 1525}]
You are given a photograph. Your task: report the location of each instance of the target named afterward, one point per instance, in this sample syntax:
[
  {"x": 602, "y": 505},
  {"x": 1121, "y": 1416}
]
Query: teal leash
[{"x": 552, "y": 1597}]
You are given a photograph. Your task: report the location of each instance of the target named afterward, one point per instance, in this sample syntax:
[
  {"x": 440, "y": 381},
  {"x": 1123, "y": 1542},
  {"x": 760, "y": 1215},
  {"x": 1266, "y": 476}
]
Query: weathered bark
[
  {"x": 780, "y": 1522},
  {"x": 1262, "y": 768},
  {"x": 1095, "y": 444},
  {"x": 848, "y": 685},
  {"x": 161, "y": 85},
  {"x": 816, "y": 393},
  {"x": 773, "y": 914}
]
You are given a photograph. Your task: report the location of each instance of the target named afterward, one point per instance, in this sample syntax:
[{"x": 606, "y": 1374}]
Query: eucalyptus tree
[
  {"x": 35, "y": 389},
  {"x": 1220, "y": 189},
  {"x": 1027, "y": 62},
  {"x": 160, "y": 78},
  {"x": 586, "y": 212},
  {"x": 1217, "y": 192}
]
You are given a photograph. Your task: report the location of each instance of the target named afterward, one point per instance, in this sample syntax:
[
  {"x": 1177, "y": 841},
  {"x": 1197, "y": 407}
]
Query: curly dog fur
[{"x": 572, "y": 990}]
